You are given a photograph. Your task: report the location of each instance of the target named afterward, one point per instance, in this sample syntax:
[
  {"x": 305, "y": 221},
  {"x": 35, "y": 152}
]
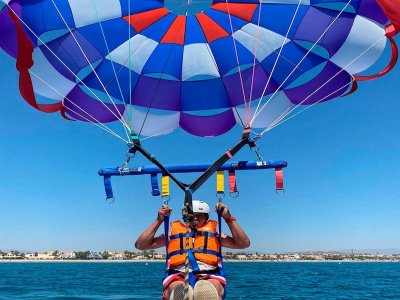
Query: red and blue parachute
[
  {"x": 155, "y": 66},
  {"x": 203, "y": 66}
]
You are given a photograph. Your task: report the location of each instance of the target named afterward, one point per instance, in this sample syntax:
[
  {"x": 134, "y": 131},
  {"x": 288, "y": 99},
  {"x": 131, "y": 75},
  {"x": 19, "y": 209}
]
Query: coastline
[{"x": 162, "y": 261}]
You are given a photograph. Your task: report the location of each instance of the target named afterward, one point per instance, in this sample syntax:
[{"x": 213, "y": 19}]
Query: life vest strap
[{"x": 179, "y": 235}]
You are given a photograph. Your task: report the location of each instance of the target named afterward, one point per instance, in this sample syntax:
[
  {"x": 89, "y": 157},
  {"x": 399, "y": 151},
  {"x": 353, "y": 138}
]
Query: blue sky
[{"x": 342, "y": 182}]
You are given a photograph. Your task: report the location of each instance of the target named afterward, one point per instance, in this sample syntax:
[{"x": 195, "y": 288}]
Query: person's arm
[
  {"x": 146, "y": 240},
  {"x": 239, "y": 239}
]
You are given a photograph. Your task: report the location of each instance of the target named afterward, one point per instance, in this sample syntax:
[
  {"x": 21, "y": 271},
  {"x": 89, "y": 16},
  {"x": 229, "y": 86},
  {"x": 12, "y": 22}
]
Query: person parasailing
[{"x": 207, "y": 278}]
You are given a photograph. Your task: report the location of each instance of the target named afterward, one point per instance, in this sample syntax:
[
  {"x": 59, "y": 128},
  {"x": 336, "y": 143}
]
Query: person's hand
[
  {"x": 225, "y": 210},
  {"x": 163, "y": 212}
]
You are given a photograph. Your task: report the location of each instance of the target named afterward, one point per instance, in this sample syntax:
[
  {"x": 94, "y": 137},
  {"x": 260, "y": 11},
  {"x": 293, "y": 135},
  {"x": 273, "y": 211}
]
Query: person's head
[{"x": 201, "y": 212}]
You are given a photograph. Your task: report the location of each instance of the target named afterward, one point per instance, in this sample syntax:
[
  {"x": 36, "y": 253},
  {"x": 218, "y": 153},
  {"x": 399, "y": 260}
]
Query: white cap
[{"x": 200, "y": 207}]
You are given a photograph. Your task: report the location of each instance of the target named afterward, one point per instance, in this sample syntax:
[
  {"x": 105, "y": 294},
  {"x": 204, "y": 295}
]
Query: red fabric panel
[
  {"x": 239, "y": 10},
  {"x": 211, "y": 29},
  {"x": 176, "y": 33},
  {"x": 143, "y": 20},
  {"x": 279, "y": 178},
  {"x": 391, "y": 8},
  {"x": 24, "y": 63},
  {"x": 389, "y": 67},
  {"x": 232, "y": 182}
]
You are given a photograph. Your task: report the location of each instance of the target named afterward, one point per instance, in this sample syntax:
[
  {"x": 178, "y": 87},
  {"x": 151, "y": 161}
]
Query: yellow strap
[
  {"x": 165, "y": 186},
  {"x": 220, "y": 181}
]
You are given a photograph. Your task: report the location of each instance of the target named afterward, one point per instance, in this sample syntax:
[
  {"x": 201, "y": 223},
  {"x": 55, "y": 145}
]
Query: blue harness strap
[
  {"x": 108, "y": 187},
  {"x": 155, "y": 189}
]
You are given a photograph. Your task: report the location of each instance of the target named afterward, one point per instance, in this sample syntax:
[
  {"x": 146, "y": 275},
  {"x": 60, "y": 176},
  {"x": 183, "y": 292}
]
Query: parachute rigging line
[
  {"x": 13, "y": 13},
  {"x": 219, "y": 72},
  {"x": 237, "y": 59},
  {"x": 109, "y": 52},
  {"x": 65, "y": 98},
  {"x": 159, "y": 80},
  {"x": 276, "y": 61},
  {"x": 91, "y": 66},
  {"x": 325, "y": 83},
  {"x": 298, "y": 64}
]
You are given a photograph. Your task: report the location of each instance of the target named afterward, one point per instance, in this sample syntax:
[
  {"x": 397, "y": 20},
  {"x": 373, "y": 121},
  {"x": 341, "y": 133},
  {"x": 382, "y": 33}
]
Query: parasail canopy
[{"x": 203, "y": 66}]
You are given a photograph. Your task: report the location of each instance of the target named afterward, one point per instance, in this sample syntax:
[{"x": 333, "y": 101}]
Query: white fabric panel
[
  {"x": 43, "y": 69},
  {"x": 363, "y": 34},
  {"x": 88, "y": 12},
  {"x": 140, "y": 48},
  {"x": 198, "y": 61},
  {"x": 268, "y": 41},
  {"x": 157, "y": 122},
  {"x": 276, "y": 108},
  {"x": 303, "y": 2}
]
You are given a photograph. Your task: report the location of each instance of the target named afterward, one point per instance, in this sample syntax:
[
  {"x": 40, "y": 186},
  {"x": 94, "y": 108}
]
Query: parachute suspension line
[
  {"x": 324, "y": 84},
  {"x": 98, "y": 124},
  {"x": 130, "y": 113},
  {"x": 60, "y": 60},
  {"x": 157, "y": 134},
  {"x": 237, "y": 59},
  {"x": 159, "y": 82},
  {"x": 216, "y": 66},
  {"x": 284, "y": 119},
  {"x": 109, "y": 53},
  {"x": 276, "y": 62},
  {"x": 248, "y": 111},
  {"x": 94, "y": 71},
  {"x": 299, "y": 63}
]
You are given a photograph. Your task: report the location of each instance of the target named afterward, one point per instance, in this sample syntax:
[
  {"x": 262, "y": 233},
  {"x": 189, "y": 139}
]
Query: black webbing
[
  {"x": 150, "y": 157},
  {"x": 223, "y": 159}
]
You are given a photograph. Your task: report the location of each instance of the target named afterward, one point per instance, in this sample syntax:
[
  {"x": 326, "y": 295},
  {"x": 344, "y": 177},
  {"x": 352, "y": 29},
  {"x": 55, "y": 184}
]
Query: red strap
[
  {"x": 392, "y": 62},
  {"x": 24, "y": 63},
  {"x": 232, "y": 182},
  {"x": 279, "y": 178}
]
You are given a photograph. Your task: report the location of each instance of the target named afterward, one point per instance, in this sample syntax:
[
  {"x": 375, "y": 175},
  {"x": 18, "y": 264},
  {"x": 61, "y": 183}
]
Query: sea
[{"x": 246, "y": 280}]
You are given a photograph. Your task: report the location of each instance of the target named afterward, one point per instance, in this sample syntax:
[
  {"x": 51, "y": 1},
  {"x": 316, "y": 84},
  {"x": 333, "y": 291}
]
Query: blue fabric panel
[
  {"x": 139, "y": 6},
  {"x": 204, "y": 94},
  {"x": 237, "y": 1},
  {"x": 290, "y": 57},
  {"x": 106, "y": 73},
  {"x": 157, "y": 30},
  {"x": 42, "y": 16},
  {"x": 353, "y": 3},
  {"x": 194, "y": 32},
  {"x": 167, "y": 59},
  {"x": 278, "y": 17},
  {"x": 224, "y": 54},
  {"x": 223, "y": 20},
  {"x": 116, "y": 32}
]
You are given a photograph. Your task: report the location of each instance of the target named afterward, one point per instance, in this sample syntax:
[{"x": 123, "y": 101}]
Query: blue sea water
[{"x": 262, "y": 280}]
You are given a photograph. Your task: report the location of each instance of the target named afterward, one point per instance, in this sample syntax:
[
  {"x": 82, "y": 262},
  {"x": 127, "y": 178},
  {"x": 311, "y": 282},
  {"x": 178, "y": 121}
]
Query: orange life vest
[{"x": 204, "y": 243}]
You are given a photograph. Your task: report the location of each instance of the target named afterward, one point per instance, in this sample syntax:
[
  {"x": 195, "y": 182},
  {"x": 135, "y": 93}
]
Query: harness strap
[
  {"x": 155, "y": 189},
  {"x": 279, "y": 179},
  {"x": 108, "y": 187},
  {"x": 179, "y": 235},
  {"x": 232, "y": 182},
  {"x": 165, "y": 186}
]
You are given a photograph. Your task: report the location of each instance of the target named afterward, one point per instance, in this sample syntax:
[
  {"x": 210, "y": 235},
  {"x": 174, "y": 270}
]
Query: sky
[{"x": 342, "y": 186}]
